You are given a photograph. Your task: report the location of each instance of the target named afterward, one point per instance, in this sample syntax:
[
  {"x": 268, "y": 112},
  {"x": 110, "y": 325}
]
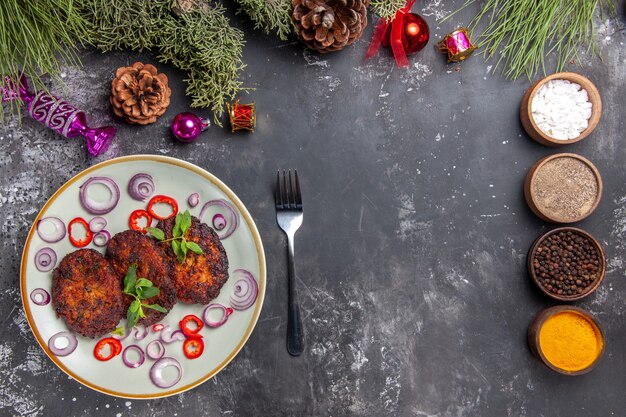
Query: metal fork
[{"x": 289, "y": 217}]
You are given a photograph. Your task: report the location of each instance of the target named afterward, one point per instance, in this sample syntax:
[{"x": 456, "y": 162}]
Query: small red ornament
[
  {"x": 406, "y": 33},
  {"x": 242, "y": 116}
]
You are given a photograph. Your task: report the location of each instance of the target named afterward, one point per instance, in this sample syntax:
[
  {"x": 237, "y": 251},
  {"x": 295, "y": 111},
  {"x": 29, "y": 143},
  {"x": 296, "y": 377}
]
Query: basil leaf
[
  {"x": 140, "y": 312},
  {"x": 194, "y": 247},
  {"x": 143, "y": 282},
  {"x": 134, "y": 306},
  {"x": 181, "y": 258},
  {"x": 158, "y": 234},
  {"x": 186, "y": 223},
  {"x": 120, "y": 331},
  {"x": 156, "y": 307},
  {"x": 130, "y": 279},
  {"x": 183, "y": 247},
  {"x": 176, "y": 247},
  {"x": 176, "y": 231},
  {"x": 131, "y": 317},
  {"x": 149, "y": 292}
]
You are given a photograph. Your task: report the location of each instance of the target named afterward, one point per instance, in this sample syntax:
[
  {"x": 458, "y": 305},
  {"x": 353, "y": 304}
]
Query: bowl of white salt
[{"x": 561, "y": 109}]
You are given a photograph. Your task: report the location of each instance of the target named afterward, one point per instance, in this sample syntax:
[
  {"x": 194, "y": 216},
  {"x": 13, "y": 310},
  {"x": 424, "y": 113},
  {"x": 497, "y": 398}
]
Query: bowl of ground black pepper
[
  {"x": 566, "y": 263},
  {"x": 563, "y": 188}
]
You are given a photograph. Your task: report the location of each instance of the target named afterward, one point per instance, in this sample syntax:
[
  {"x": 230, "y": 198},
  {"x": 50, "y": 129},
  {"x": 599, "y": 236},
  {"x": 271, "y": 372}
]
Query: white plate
[{"x": 177, "y": 179}]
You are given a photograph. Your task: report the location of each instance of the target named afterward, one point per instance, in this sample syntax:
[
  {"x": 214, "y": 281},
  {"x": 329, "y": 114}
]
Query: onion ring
[
  {"x": 156, "y": 372},
  {"x": 213, "y": 323},
  {"x": 45, "y": 296},
  {"x": 141, "y": 186},
  {"x": 150, "y": 349},
  {"x": 101, "y": 239},
  {"x": 97, "y": 224},
  {"x": 232, "y": 218},
  {"x": 245, "y": 290},
  {"x": 218, "y": 222},
  {"x": 71, "y": 345},
  {"x": 169, "y": 336},
  {"x": 193, "y": 200},
  {"x": 99, "y": 207},
  {"x": 139, "y": 335},
  {"x": 45, "y": 259},
  {"x": 138, "y": 362},
  {"x": 56, "y": 235}
]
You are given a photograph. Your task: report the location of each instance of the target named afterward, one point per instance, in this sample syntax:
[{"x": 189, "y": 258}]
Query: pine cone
[
  {"x": 329, "y": 25},
  {"x": 139, "y": 94}
]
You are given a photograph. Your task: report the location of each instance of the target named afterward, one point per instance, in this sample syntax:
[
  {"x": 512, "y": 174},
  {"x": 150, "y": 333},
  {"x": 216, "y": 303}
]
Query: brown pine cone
[
  {"x": 329, "y": 25},
  {"x": 139, "y": 94}
]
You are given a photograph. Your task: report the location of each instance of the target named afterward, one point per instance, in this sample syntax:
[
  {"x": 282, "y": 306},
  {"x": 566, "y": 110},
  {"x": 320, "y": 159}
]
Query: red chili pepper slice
[
  {"x": 133, "y": 220},
  {"x": 115, "y": 348},
  {"x": 80, "y": 243},
  {"x": 191, "y": 331},
  {"x": 162, "y": 199},
  {"x": 193, "y": 347}
]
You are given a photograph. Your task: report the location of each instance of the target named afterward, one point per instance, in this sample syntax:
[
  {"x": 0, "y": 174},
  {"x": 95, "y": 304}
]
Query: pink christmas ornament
[{"x": 186, "y": 126}]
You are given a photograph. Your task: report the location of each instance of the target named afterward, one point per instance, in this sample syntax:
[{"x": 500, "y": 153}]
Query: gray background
[{"x": 412, "y": 278}]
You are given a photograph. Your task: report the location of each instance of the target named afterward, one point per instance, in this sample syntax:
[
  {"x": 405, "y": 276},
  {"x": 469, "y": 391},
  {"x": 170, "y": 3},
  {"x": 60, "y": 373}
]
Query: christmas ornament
[
  {"x": 406, "y": 33},
  {"x": 186, "y": 126},
  {"x": 329, "y": 25},
  {"x": 457, "y": 44},
  {"x": 58, "y": 115},
  {"x": 242, "y": 116},
  {"x": 139, "y": 94}
]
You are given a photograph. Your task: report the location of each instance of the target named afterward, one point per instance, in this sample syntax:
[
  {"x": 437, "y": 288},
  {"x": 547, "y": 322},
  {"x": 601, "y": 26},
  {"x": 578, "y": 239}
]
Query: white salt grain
[{"x": 561, "y": 109}]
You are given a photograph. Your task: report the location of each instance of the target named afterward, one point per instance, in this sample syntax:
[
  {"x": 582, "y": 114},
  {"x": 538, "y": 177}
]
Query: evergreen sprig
[
  {"x": 387, "y": 8},
  {"x": 273, "y": 16},
  {"x": 521, "y": 34}
]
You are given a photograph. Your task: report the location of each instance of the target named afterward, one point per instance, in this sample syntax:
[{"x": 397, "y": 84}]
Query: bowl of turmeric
[{"x": 566, "y": 339}]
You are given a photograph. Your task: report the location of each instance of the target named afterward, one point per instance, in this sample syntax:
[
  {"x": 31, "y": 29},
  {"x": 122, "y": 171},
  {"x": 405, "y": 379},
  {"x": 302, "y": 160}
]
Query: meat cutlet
[
  {"x": 133, "y": 247},
  {"x": 86, "y": 293},
  {"x": 200, "y": 277}
]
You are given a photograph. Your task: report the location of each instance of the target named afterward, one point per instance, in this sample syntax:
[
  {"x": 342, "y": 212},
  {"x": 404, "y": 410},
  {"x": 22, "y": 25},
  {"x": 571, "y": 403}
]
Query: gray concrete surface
[{"x": 411, "y": 259}]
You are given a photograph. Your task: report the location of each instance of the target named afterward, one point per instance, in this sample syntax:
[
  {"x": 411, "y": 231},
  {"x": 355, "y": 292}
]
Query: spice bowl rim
[
  {"x": 528, "y": 122},
  {"x": 535, "y": 279},
  {"x": 535, "y": 327},
  {"x": 529, "y": 194}
]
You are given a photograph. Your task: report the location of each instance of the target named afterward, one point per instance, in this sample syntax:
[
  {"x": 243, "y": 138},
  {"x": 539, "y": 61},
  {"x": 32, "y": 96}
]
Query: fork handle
[{"x": 295, "y": 343}]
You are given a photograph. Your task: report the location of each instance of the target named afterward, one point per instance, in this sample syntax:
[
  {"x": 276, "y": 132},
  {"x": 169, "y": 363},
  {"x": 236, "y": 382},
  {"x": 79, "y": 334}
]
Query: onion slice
[
  {"x": 97, "y": 224},
  {"x": 101, "y": 239},
  {"x": 231, "y": 217},
  {"x": 45, "y": 259},
  {"x": 130, "y": 363},
  {"x": 227, "y": 311},
  {"x": 141, "y": 186},
  {"x": 245, "y": 290},
  {"x": 193, "y": 200},
  {"x": 156, "y": 372},
  {"x": 169, "y": 336},
  {"x": 40, "y": 296},
  {"x": 99, "y": 207},
  {"x": 140, "y": 334},
  {"x": 160, "y": 349},
  {"x": 218, "y": 222},
  {"x": 55, "y": 235},
  {"x": 72, "y": 342}
]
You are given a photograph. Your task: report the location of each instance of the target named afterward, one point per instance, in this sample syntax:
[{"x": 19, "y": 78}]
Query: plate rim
[{"x": 215, "y": 181}]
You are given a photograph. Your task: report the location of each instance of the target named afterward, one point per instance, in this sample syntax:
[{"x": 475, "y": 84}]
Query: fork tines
[{"x": 286, "y": 196}]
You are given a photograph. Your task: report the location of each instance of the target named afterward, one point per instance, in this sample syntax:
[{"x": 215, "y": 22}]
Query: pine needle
[
  {"x": 273, "y": 16},
  {"x": 387, "y": 8}
]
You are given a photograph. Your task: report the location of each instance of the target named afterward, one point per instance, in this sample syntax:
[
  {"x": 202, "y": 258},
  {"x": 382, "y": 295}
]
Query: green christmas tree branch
[
  {"x": 387, "y": 8},
  {"x": 273, "y": 16}
]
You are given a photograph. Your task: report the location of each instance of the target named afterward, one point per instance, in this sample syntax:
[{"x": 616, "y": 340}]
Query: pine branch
[
  {"x": 273, "y": 16},
  {"x": 387, "y": 8}
]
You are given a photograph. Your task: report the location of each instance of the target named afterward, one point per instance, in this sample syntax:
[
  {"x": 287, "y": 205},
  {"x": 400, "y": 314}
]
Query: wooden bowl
[
  {"x": 588, "y": 290},
  {"x": 530, "y": 195},
  {"x": 537, "y": 323},
  {"x": 529, "y": 123}
]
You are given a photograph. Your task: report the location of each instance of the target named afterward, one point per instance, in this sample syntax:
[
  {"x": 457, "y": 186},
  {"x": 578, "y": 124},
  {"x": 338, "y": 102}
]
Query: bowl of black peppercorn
[{"x": 566, "y": 263}]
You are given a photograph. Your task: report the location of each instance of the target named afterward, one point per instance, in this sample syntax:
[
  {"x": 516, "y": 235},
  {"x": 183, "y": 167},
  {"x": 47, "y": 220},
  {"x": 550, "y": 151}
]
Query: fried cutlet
[
  {"x": 132, "y": 247},
  {"x": 86, "y": 293},
  {"x": 200, "y": 277}
]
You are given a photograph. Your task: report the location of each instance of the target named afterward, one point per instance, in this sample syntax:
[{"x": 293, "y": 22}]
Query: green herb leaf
[
  {"x": 149, "y": 292},
  {"x": 130, "y": 279},
  {"x": 176, "y": 247},
  {"x": 140, "y": 312},
  {"x": 156, "y": 307},
  {"x": 158, "y": 234},
  {"x": 183, "y": 248},
  {"x": 143, "y": 282},
  {"x": 186, "y": 222},
  {"x": 131, "y": 317},
  {"x": 177, "y": 231},
  {"x": 134, "y": 306},
  {"x": 120, "y": 331},
  {"x": 194, "y": 247}
]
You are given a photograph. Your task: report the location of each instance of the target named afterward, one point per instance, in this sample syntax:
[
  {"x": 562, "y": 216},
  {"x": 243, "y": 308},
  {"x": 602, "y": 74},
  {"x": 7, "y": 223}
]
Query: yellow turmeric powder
[{"x": 570, "y": 341}]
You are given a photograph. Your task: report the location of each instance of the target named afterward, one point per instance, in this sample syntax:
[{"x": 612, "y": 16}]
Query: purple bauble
[{"x": 187, "y": 126}]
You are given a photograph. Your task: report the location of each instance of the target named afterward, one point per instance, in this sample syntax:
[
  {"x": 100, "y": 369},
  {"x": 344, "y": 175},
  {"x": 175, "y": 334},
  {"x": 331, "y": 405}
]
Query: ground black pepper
[{"x": 566, "y": 263}]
